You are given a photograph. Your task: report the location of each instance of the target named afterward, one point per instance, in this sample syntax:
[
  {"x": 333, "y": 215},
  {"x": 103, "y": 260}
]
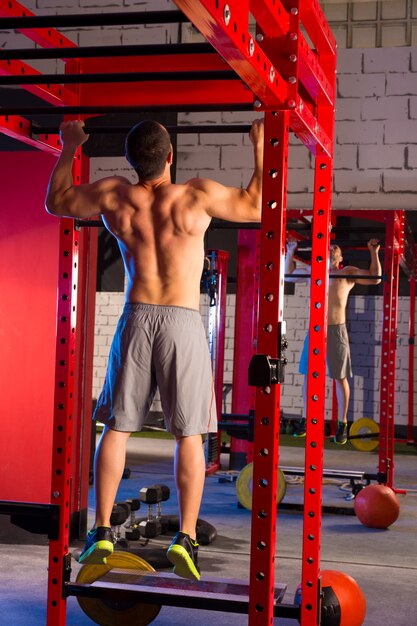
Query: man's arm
[
  {"x": 301, "y": 275},
  {"x": 374, "y": 268},
  {"x": 233, "y": 204},
  {"x": 64, "y": 199}
]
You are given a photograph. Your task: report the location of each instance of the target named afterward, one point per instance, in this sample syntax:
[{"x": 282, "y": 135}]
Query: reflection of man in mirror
[{"x": 338, "y": 352}]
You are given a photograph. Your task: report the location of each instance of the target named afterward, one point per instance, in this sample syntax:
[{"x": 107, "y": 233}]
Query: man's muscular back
[
  {"x": 159, "y": 226},
  {"x": 160, "y": 233}
]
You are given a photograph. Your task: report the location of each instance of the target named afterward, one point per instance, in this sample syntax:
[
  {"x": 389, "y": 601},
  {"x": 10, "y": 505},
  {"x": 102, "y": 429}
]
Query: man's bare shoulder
[
  {"x": 347, "y": 271},
  {"x": 200, "y": 184},
  {"x": 112, "y": 182}
]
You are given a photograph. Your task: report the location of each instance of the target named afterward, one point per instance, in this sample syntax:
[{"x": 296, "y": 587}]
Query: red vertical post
[
  {"x": 86, "y": 309},
  {"x": 220, "y": 260},
  {"x": 63, "y": 415},
  {"x": 388, "y": 350},
  {"x": 411, "y": 335},
  {"x": 243, "y": 396},
  {"x": 316, "y": 394},
  {"x": 83, "y": 424},
  {"x": 66, "y": 415},
  {"x": 267, "y": 415}
]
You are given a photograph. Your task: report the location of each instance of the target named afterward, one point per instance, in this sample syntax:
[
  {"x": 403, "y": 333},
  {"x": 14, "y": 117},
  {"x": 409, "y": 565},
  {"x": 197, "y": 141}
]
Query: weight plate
[
  {"x": 364, "y": 426},
  {"x": 110, "y": 612},
  {"x": 244, "y": 486}
]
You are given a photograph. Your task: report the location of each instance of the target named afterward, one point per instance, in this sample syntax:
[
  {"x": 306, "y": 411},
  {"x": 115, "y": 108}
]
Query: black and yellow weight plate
[
  {"x": 244, "y": 486},
  {"x": 364, "y": 426},
  {"x": 123, "y": 611}
]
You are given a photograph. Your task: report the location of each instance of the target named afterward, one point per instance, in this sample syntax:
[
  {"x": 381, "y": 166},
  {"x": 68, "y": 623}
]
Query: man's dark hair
[{"x": 147, "y": 147}]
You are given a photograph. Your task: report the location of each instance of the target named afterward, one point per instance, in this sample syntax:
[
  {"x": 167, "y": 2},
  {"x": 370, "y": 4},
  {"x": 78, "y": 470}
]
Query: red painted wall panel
[{"x": 28, "y": 288}]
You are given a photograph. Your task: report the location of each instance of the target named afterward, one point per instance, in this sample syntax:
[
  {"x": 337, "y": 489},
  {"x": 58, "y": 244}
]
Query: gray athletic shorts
[
  {"x": 165, "y": 347},
  {"x": 338, "y": 353}
]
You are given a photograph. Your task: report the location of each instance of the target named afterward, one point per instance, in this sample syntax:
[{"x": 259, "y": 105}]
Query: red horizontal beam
[
  {"x": 317, "y": 27},
  {"x": 54, "y": 94},
  {"x": 166, "y": 93},
  {"x": 155, "y": 63},
  {"x": 45, "y": 37},
  {"x": 271, "y": 16},
  {"x": 226, "y": 27},
  {"x": 20, "y": 128},
  {"x": 312, "y": 76},
  {"x": 308, "y": 130}
]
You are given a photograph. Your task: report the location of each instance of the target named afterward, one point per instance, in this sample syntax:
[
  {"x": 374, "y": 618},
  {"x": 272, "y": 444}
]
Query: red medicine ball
[
  {"x": 377, "y": 506},
  {"x": 344, "y": 603}
]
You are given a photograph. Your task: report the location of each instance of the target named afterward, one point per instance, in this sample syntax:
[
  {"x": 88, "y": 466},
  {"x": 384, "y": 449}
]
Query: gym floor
[{"x": 383, "y": 562}]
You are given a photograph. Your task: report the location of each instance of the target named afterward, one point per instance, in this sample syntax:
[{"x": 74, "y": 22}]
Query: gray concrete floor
[{"x": 383, "y": 562}]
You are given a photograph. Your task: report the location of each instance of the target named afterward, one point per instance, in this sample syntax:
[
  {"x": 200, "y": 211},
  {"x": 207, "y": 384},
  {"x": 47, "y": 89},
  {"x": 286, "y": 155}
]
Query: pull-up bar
[
  {"x": 302, "y": 226},
  {"x": 28, "y": 111},
  {"x": 93, "y": 19},
  {"x": 116, "y": 77},
  {"x": 106, "y": 51},
  {"x": 173, "y": 130}
]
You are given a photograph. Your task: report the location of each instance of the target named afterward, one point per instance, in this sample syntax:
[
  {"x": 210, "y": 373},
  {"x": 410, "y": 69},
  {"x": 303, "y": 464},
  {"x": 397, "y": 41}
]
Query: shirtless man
[
  {"x": 160, "y": 340},
  {"x": 338, "y": 352}
]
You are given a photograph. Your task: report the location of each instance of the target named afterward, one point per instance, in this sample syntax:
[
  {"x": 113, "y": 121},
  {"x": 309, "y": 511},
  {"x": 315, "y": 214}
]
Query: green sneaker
[
  {"x": 300, "y": 429},
  {"x": 341, "y": 434},
  {"x": 99, "y": 545},
  {"x": 183, "y": 554}
]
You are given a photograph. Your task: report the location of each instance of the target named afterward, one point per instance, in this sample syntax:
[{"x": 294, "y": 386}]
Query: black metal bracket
[
  {"x": 40, "y": 519},
  {"x": 265, "y": 370}
]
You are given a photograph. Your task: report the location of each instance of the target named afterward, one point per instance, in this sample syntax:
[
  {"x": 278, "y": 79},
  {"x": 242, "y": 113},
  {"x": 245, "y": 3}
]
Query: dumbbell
[
  {"x": 134, "y": 504},
  {"x": 119, "y": 515},
  {"x": 165, "y": 496},
  {"x": 153, "y": 525},
  {"x": 132, "y": 531}
]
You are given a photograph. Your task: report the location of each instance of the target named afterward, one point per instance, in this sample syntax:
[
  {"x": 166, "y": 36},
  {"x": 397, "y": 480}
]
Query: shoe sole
[
  {"x": 183, "y": 564},
  {"x": 340, "y": 443},
  {"x": 299, "y": 435},
  {"x": 97, "y": 554}
]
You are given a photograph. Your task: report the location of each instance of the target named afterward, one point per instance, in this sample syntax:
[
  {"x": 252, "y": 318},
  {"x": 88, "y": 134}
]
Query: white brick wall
[{"x": 376, "y": 133}]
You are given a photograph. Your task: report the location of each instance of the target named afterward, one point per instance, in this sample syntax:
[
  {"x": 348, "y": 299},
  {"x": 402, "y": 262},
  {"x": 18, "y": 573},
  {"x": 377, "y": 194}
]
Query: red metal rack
[{"x": 294, "y": 85}]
